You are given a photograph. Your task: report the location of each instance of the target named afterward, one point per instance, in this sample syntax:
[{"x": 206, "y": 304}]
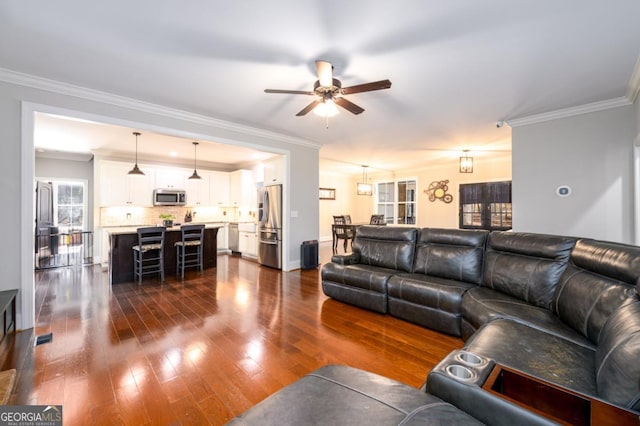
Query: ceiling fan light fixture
[
  {"x": 195, "y": 174},
  {"x": 327, "y": 108},
  {"x": 136, "y": 170}
]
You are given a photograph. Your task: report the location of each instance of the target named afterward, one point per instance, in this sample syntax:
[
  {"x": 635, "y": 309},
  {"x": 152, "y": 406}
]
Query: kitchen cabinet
[
  {"x": 273, "y": 171},
  {"x": 219, "y": 189},
  {"x": 118, "y": 188},
  {"x": 170, "y": 178},
  {"x": 242, "y": 189},
  {"x": 248, "y": 244},
  {"x": 198, "y": 190}
]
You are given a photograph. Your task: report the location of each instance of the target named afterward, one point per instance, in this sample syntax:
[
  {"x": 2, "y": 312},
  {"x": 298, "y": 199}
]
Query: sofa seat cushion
[
  {"x": 537, "y": 353},
  {"x": 343, "y": 395},
  {"x": 432, "y": 302},
  {"x": 360, "y": 285},
  {"x": 482, "y": 305}
]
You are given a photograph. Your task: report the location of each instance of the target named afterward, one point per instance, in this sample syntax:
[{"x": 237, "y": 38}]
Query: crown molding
[
  {"x": 62, "y": 88},
  {"x": 633, "y": 89},
  {"x": 569, "y": 112},
  {"x": 634, "y": 83}
]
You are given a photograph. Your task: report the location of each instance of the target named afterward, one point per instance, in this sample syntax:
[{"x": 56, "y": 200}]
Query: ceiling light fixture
[
  {"x": 136, "y": 170},
  {"x": 466, "y": 162},
  {"x": 327, "y": 108},
  {"x": 364, "y": 188},
  {"x": 195, "y": 173}
]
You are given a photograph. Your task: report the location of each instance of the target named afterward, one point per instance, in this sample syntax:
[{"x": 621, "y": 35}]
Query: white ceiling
[{"x": 457, "y": 67}]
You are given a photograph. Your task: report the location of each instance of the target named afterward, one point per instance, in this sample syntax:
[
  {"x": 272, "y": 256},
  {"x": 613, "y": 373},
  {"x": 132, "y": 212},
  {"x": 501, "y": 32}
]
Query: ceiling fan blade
[
  {"x": 366, "y": 87},
  {"x": 348, "y": 105},
  {"x": 325, "y": 73},
  {"x": 308, "y": 108},
  {"x": 289, "y": 92}
]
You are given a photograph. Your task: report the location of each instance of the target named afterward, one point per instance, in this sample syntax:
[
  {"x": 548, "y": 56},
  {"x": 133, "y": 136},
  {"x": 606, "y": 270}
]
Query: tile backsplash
[{"x": 134, "y": 216}]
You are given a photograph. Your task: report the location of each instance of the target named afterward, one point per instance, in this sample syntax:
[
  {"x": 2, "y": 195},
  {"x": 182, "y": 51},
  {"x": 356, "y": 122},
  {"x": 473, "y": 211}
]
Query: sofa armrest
[{"x": 346, "y": 259}]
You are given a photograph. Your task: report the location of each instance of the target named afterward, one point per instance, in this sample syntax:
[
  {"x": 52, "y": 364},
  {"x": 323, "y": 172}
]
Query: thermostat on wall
[{"x": 563, "y": 191}]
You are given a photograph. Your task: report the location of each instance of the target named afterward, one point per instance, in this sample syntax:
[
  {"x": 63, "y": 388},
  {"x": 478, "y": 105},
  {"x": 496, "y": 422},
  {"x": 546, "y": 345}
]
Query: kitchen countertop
[{"x": 118, "y": 230}]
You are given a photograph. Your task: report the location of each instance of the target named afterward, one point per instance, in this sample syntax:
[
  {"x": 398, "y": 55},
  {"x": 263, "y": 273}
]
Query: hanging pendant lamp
[
  {"x": 136, "y": 170},
  {"x": 364, "y": 188},
  {"x": 466, "y": 162},
  {"x": 195, "y": 174}
]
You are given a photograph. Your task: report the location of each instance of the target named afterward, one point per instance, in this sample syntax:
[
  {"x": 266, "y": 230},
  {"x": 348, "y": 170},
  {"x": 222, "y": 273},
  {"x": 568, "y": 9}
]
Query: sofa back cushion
[
  {"x": 617, "y": 366},
  {"x": 526, "y": 266},
  {"x": 455, "y": 254},
  {"x": 386, "y": 246},
  {"x": 599, "y": 278}
]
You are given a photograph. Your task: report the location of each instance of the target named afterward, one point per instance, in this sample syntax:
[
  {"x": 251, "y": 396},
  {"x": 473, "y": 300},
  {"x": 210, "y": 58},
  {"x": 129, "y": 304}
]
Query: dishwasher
[{"x": 233, "y": 237}]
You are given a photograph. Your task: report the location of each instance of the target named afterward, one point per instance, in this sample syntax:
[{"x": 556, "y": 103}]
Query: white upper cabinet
[
  {"x": 170, "y": 178},
  {"x": 242, "y": 189},
  {"x": 219, "y": 189},
  {"x": 118, "y": 188},
  {"x": 198, "y": 190},
  {"x": 274, "y": 171}
]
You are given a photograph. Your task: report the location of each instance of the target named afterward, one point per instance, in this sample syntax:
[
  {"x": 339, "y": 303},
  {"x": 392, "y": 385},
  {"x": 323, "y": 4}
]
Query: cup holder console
[
  {"x": 460, "y": 372},
  {"x": 470, "y": 359},
  {"x": 465, "y": 367}
]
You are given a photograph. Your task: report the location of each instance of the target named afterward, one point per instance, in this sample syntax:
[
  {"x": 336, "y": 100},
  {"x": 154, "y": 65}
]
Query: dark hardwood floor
[{"x": 200, "y": 351}]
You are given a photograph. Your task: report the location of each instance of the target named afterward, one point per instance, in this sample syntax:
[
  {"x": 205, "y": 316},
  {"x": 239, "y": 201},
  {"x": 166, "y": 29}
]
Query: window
[
  {"x": 485, "y": 205},
  {"x": 397, "y": 201},
  {"x": 69, "y": 205}
]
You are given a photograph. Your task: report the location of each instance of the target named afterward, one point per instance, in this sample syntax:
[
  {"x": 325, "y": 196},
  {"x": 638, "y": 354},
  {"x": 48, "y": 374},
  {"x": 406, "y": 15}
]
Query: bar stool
[
  {"x": 189, "y": 249},
  {"x": 148, "y": 255}
]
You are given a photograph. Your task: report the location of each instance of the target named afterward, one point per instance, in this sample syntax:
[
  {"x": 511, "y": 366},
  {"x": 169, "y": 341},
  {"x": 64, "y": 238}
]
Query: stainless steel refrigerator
[{"x": 270, "y": 226}]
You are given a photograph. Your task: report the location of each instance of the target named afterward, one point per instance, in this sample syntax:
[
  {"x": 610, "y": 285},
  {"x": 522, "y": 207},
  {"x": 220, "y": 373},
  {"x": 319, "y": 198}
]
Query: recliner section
[
  {"x": 448, "y": 262},
  {"x": 361, "y": 278}
]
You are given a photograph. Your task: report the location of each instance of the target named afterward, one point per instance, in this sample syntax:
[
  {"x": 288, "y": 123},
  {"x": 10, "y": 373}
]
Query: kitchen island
[{"x": 122, "y": 240}]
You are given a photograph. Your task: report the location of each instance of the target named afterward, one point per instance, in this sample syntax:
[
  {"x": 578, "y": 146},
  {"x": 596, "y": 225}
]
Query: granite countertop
[{"x": 117, "y": 230}]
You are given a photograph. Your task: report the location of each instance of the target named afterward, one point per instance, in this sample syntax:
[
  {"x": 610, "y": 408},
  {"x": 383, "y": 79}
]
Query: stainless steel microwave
[{"x": 169, "y": 197}]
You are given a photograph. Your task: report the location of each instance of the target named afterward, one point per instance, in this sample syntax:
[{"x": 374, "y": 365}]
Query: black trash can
[{"x": 309, "y": 254}]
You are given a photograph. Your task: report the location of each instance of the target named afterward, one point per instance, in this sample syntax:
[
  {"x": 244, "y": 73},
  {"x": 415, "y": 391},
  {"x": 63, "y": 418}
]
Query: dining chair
[
  {"x": 189, "y": 248},
  {"x": 377, "y": 219},
  {"x": 341, "y": 231},
  {"x": 148, "y": 254}
]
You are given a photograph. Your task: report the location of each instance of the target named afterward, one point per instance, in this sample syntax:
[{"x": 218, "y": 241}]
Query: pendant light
[
  {"x": 364, "y": 188},
  {"x": 136, "y": 170},
  {"x": 466, "y": 162},
  {"x": 195, "y": 173}
]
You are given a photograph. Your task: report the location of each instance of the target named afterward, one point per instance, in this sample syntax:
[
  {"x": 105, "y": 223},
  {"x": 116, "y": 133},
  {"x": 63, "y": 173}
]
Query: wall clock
[{"x": 438, "y": 191}]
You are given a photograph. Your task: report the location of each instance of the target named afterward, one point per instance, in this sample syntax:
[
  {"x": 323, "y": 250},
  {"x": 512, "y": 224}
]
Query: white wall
[
  {"x": 18, "y": 101},
  {"x": 343, "y": 204},
  {"x": 488, "y": 167},
  {"x": 593, "y": 154},
  {"x": 69, "y": 169}
]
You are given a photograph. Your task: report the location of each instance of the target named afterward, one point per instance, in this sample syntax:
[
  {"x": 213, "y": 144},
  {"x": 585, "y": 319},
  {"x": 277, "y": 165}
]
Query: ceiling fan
[{"x": 328, "y": 89}]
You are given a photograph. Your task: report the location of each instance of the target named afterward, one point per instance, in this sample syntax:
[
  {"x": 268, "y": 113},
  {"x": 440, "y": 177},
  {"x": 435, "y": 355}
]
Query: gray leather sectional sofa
[{"x": 559, "y": 309}]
